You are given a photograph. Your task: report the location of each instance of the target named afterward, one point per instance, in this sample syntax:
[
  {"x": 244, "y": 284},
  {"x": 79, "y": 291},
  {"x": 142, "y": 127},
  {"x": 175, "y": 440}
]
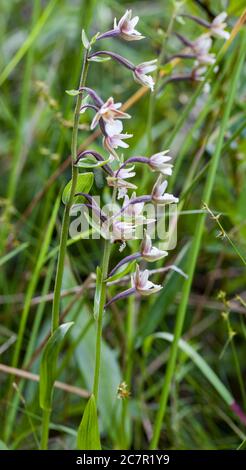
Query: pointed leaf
[
  {"x": 84, "y": 184},
  {"x": 98, "y": 59},
  {"x": 72, "y": 92},
  {"x": 85, "y": 39},
  {"x": 88, "y": 432},
  {"x": 48, "y": 369},
  {"x": 89, "y": 162}
]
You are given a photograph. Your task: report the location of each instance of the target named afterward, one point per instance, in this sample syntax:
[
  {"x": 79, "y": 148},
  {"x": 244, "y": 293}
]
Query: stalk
[
  {"x": 105, "y": 263},
  {"x": 64, "y": 235},
  {"x": 65, "y": 222},
  {"x": 194, "y": 250}
]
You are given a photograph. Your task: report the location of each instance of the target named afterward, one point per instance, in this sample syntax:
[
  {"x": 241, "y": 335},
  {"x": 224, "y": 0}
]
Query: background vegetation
[{"x": 41, "y": 58}]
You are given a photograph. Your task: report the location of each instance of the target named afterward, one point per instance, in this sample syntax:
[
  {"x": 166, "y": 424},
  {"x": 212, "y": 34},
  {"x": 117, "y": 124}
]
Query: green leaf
[
  {"x": 48, "y": 369},
  {"x": 85, "y": 40},
  {"x": 84, "y": 184},
  {"x": 98, "y": 59},
  {"x": 72, "y": 92},
  {"x": 89, "y": 162},
  {"x": 88, "y": 432},
  {"x": 94, "y": 38},
  {"x": 121, "y": 272},
  {"x": 97, "y": 293}
]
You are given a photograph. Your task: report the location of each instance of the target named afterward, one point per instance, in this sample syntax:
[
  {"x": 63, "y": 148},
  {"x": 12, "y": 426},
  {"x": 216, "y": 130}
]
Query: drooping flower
[
  {"x": 218, "y": 26},
  {"x": 132, "y": 210},
  {"x": 158, "y": 162},
  {"x": 140, "y": 73},
  {"x": 201, "y": 47},
  {"x": 118, "y": 230},
  {"x": 159, "y": 196},
  {"x": 110, "y": 113},
  {"x": 140, "y": 281},
  {"x": 126, "y": 27},
  {"x": 149, "y": 252},
  {"x": 112, "y": 142},
  {"x": 118, "y": 180}
]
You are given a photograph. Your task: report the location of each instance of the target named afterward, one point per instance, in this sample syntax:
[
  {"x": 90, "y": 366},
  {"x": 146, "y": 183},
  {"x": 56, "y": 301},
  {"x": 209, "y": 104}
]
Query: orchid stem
[{"x": 64, "y": 234}]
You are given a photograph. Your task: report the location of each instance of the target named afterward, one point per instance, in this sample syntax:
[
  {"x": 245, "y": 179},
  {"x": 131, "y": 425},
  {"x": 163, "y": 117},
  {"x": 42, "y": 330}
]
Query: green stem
[
  {"x": 65, "y": 221},
  {"x": 194, "y": 251},
  {"x": 64, "y": 233},
  {"x": 45, "y": 429},
  {"x": 105, "y": 263}
]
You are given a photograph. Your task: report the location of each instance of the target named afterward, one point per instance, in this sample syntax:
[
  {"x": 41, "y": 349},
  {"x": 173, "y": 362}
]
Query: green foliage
[
  {"x": 48, "y": 371},
  {"x": 84, "y": 184},
  {"x": 88, "y": 432}
]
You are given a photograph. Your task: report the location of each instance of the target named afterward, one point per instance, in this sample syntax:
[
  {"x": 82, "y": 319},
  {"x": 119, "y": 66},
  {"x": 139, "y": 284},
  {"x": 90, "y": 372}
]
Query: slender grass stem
[
  {"x": 195, "y": 247},
  {"x": 64, "y": 234}
]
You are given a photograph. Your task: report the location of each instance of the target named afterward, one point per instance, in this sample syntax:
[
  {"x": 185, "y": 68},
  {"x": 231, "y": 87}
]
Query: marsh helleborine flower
[
  {"x": 159, "y": 196},
  {"x": 140, "y": 281},
  {"x": 110, "y": 113},
  {"x": 126, "y": 27},
  {"x": 150, "y": 252},
  {"x": 158, "y": 162},
  {"x": 201, "y": 47},
  {"x": 140, "y": 73},
  {"x": 218, "y": 26}
]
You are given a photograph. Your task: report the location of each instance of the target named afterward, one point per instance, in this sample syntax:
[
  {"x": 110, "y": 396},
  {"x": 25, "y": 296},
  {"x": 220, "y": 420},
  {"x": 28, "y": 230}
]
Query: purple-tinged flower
[
  {"x": 118, "y": 180},
  {"x": 141, "y": 71},
  {"x": 112, "y": 142},
  {"x": 218, "y": 26},
  {"x": 126, "y": 27},
  {"x": 132, "y": 211},
  {"x": 159, "y": 196},
  {"x": 118, "y": 229},
  {"x": 201, "y": 47},
  {"x": 158, "y": 162},
  {"x": 110, "y": 113},
  {"x": 149, "y": 252},
  {"x": 140, "y": 281}
]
